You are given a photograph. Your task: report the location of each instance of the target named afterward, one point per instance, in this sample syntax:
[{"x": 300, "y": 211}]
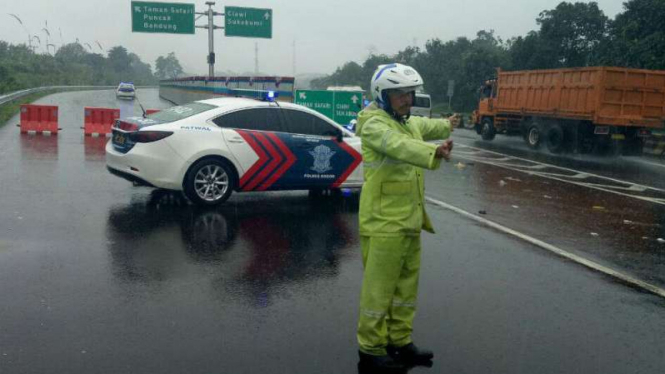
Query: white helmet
[{"x": 393, "y": 76}]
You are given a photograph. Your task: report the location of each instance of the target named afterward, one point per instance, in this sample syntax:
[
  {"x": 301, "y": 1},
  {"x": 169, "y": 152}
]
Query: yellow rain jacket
[{"x": 392, "y": 198}]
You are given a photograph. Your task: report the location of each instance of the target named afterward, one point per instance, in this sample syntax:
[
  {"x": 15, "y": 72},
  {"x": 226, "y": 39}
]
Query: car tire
[
  {"x": 487, "y": 130},
  {"x": 209, "y": 182},
  {"x": 555, "y": 138}
]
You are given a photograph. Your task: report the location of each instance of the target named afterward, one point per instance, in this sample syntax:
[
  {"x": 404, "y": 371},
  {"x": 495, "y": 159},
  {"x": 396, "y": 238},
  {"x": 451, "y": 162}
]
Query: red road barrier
[
  {"x": 99, "y": 120},
  {"x": 151, "y": 111},
  {"x": 39, "y": 118}
]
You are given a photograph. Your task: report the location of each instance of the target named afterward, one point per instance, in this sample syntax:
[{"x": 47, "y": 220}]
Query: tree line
[
  {"x": 570, "y": 35},
  {"x": 21, "y": 67}
]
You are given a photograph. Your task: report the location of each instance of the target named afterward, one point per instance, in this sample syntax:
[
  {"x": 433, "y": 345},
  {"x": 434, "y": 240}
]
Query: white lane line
[
  {"x": 648, "y": 162},
  {"x": 568, "y": 179},
  {"x": 556, "y": 167},
  {"x": 558, "y": 251}
]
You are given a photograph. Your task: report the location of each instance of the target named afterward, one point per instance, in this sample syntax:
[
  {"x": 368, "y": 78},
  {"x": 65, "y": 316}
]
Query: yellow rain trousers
[{"x": 392, "y": 215}]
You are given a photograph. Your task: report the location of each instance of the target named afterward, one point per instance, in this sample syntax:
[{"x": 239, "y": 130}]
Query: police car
[
  {"x": 210, "y": 148},
  {"x": 125, "y": 90}
]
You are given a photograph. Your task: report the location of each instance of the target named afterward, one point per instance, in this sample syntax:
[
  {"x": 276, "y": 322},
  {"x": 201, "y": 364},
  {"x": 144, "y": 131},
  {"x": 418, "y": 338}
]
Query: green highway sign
[
  {"x": 248, "y": 22},
  {"x": 340, "y": 106},
  {"x": 173, "y": 18},
  {"x": 347, "y": 106},
  {"x": 320, "y": 101}
]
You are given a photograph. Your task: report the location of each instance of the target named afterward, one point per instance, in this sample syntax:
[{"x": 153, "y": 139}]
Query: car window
[
  {"x": 299, "y": 122},
  {"x": 259, "y": 119},
  {"x": 177, "y": 113}
]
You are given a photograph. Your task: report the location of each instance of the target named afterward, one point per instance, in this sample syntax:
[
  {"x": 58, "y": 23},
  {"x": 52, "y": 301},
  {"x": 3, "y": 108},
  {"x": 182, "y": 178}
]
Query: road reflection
[
  {"x": 94, "y": 148},
  {"x": 39, "y": 147},
  {"x": 256, "y": 245}
]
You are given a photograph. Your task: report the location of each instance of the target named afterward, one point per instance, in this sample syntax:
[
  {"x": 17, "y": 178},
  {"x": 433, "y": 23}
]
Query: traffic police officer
[{"x": 392, "y": 215}]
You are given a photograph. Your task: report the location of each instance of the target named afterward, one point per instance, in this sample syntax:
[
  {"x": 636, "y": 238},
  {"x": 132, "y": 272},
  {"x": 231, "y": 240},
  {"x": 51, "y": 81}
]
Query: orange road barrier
[
  {"x": 99, "y": 120},
  {"x": 39, "y": 118}
]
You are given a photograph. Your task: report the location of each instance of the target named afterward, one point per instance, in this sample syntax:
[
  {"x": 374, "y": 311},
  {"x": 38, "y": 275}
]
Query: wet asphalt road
[{"x": 97, "y": 276}]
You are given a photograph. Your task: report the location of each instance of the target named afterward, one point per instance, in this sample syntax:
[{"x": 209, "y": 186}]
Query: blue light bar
[{"x": 269, "y": 96}]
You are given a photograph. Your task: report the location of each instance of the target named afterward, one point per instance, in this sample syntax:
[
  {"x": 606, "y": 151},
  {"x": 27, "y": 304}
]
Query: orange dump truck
[{"x": 578, "y": 109}]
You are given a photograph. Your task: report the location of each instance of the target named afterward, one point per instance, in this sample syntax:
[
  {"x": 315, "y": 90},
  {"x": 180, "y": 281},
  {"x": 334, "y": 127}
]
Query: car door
[
  {"x": 255, "y": 138},
  {"x": 323, "y": 158}
]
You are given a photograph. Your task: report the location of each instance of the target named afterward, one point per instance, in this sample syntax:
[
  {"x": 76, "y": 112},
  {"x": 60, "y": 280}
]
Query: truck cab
[{"x": 487, "y": 97}]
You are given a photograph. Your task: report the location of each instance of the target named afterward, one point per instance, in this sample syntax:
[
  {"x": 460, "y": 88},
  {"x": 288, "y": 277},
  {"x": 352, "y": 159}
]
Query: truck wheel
[
  {"x": 555, "y": 138},
  {"x": 487, "y": 130},
  {"x": 532, "y": 137}
]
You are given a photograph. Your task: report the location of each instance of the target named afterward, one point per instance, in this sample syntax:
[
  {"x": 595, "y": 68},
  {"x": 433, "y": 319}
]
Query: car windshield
[
  {"x": 421, "y": 101},
  {"x": 177, "y": 113}
]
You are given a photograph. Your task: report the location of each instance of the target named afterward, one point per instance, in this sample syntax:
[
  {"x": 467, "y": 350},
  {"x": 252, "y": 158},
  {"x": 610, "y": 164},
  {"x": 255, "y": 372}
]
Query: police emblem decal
[{"x": 322, "y": 155}]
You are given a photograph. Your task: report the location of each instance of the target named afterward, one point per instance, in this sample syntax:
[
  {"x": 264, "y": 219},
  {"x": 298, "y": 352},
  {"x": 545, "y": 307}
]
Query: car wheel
[
  {"x": 533, "y": 137},
  {"x": 209, "y": 182},
  {"x": 487, "y": 130},
  {"x": 555, "y": 138}
]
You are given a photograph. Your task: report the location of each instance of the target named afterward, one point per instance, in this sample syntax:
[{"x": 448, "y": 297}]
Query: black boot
[
  {"x": 410, "y": 355},
  {"x": 371, "y": 364}
]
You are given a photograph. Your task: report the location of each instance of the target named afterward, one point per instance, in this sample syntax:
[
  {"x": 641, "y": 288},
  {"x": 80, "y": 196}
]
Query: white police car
[
  {"x": 125, "y": 90},
  {"x": 212, "y": 147}
]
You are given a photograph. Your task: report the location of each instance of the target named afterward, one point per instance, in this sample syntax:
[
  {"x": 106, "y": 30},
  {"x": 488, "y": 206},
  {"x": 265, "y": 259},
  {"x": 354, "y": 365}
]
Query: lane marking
[
  {"x": 575, "y": 177},
  {"x": 557, "y": 251},
  {"x": 480, "y": 150},
  {"x": 650, "y": 163}
]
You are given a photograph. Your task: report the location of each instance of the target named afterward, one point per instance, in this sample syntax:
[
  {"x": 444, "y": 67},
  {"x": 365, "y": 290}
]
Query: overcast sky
[{"x": 326, "y": 33}]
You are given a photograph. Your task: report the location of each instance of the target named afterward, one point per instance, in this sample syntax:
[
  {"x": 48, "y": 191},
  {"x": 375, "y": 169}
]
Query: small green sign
[
  {"x": 347, "y": 106},
  {"x": 248, "y": 22},
  {"x": 172, "y": 18},
  {"x": 340, "y": 106}
]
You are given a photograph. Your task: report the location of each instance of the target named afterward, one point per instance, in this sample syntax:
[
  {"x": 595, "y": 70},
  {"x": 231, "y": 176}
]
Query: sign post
[{"x": 451, "y": 90}]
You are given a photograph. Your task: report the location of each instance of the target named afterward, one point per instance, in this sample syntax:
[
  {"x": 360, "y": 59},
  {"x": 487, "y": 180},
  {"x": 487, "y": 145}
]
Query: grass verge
[{"x": 10, "y": 109}]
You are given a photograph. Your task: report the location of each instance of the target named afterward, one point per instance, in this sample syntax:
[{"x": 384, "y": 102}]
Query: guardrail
[{"x": 4, "y": 99}]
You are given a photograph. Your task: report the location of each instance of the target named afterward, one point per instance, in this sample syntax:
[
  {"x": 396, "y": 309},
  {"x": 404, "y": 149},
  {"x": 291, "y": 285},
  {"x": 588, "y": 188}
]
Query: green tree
[
  {"x": 637, "y": 36},
  {"x": 571, "y": 33},
  {"x": 168, "y": 67},
  {"x": 532, "y": 52},
  {"x": 141, "y": 72},
  {"x": 119, "y": 60},
  {"x": 351, "y": 74},
  {"x": 71, "y": 53}
]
